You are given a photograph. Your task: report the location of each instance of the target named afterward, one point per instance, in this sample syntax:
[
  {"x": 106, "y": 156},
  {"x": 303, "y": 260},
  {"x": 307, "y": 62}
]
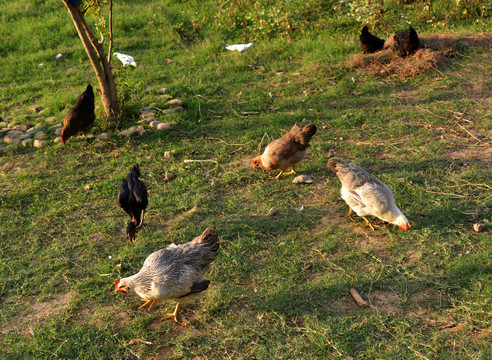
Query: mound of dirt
[{"x": 435, "y": 49}]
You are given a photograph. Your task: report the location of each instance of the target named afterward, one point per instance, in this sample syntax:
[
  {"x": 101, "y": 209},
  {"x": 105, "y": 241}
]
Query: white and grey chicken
[
  {"x": 367, "y": 195},
  {"x": 238, "y": 47},
  {"x": 174, "y": 273},
  {"x": 125, "y": 59}
]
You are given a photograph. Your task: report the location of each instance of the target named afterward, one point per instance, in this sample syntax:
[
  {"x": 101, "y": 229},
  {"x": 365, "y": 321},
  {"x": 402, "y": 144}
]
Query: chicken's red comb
[{"x": 116, "y": 283}]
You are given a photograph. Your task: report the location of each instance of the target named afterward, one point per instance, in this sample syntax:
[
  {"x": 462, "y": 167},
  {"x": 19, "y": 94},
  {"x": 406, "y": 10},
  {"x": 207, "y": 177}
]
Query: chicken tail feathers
[
  {"x": 334, "y": 162},
  {"x": 305, "y": 135},
  {"x": 197, "y": 287}
]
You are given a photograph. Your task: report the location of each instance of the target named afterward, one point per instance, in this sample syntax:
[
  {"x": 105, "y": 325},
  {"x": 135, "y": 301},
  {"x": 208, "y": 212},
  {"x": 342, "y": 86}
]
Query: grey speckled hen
[
  {"x": 174, "y": 273},
  {"x": 367, "y": 195}
]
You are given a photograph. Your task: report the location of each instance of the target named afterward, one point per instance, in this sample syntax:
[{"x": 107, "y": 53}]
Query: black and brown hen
[
  {"x": 80, "y": 118},
  {"x": 407, "y": 42},
  {"x": 133, "y": 198},
  {"x": 368, "y": 42}
]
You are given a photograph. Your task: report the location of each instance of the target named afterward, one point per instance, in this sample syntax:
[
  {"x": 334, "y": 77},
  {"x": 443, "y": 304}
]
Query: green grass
[{"x": 280, "y": 285}]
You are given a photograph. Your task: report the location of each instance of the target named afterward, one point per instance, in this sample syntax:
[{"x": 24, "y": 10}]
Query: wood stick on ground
[{"x": 358, "y": 299}]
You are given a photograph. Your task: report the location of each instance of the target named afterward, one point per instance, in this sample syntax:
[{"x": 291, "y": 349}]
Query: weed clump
[{"x": 434, "y": 49}]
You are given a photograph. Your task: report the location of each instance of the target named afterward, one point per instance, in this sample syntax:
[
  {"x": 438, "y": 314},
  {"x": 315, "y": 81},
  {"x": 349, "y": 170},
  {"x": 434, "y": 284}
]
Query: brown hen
[{"x": 287, "y": 151}]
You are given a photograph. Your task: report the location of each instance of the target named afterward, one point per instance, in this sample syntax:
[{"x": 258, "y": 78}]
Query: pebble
[
  {"x": 167, "y": 154},
  {"x": 131, "y": 131},
  {"x": 34, "y": 108},
  {"x": 272, "y": 211},
  {"x": 58, "y": 130},
  {"x": 39, "y": 143},
  {"x": 144, "y": 132},
  {"x": 24, "y": 136},
  {"x": 175, "y": 103},
  {"x": 26, "y": 142},
  {"x": 7, "y": 118},
  {"x": 11, "y": 140},
  {"x": 103, "y": 136},
  {"x": 303, "y": 179},
  {"x": 50, "y": 119},
  {"x": 163, "y": 126},
  {"x": 39, "y": 135},
  {"x": 56, "y": 126},
  {"x": 162, "y": 90},
  {"x": 147, "y": 113},
  {"x": 171, "y": 110},
  {"x": 155, "y": 123},
  {"x": 57, "y": 140},
  {"x": 19, "y": 127},
  {"x": 478, "y": 227}
]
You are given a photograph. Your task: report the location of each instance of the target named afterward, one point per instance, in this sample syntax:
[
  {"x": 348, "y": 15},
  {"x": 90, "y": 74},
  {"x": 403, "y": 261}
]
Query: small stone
[
  {"x": 175, "y": 103},
  {"x": 131, "y": 131},
  {"x": 8, "y": 118},
  {"x": 58, "y": 130},
  {"x": 55, "y": 126},
  {"x": 162, "y": 90},
  {"x": 144, "y": 132},
  {"x": 57, "y": 140},
  {"x": 303, "y": 179},
  {"x": 11, "y": 140},
  {"x": 401, "y": 179},
  {"x": 19, "y": 127},
  {"x": 26, "y": 142},
  {"x": 87, "y": 187},
  {"x": 24, "y": 136},
  {"x": 282, "y": 243},
  {"x": 90, "y": 136},
  {"x": 171, "y": 110},
  {"x": 50, "y": 118},
  {"x": 478, "y": 227},
  {"x": 40, "y": 65},
  {"x": 272, "y": 211},
  {"x": 59, "y": 57},
  {"x": 39, "y": 143},
  {"x": 167, "y": 154},
  {"x": 103, "y": 136},
  {"x": 34, "y": 108},
  {"x": 147, "y": 113},
  {"x": 149, "y": 89},
  {"x": 163, "y": 126},
  {"x": 39, "y": 135},
  {"x": 155, "y": 123},
  {"x": 169, "y": 176}
]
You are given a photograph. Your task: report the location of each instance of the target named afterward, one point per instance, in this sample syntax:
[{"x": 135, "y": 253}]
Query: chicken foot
[
  {"x": 365, "y": 219},
  {"x": 147, "y": 302},
  {"x": 174, "y": 315},
  {"x": 293, "y": 171},
  {"x": 368, "y": 223}
]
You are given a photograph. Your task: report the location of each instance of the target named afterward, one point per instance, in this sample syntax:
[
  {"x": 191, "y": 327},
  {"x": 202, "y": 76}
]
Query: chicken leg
[
  {"x": 368, "y": 223},
  {"x": 279, "y": 175},
  {"x": 147, "y": 302},
  {"x": 174, "y": 315}
]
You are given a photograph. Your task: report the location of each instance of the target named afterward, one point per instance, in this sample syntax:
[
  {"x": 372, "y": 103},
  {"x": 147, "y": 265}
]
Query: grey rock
[
  {"x": 24, "y": 136},
  {"x": 39, "y": 135},
  {"x": 163, "y": 126},
  {"x": 26, "y": 142},
  {"x": 34, "y": 108},
  {"x": 171, "y": 110},
  {"x": 50, "y": 119},
  {"x": 8, "y": 118},
  {"x": 39, "y": 143},
  {"x": 144, "y": 132},
  {"x": 303, "y": 179},
  {"x": 155, "y": 123},
  {"x": 103, "y": 136},
  {"x": 57, "y": 140},
  {"x": 58, "y": 130},
  {"x": 174, "y": 103}
]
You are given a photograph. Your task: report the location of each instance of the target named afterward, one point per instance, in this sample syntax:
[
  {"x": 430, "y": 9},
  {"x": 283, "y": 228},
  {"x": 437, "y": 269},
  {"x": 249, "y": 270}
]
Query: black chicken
[
  {"x": 80, "y": 118},
  {"x": 407, "y": 42},
  {"x": 368, "y": 42},
  {"x": 132, "y": 197}
]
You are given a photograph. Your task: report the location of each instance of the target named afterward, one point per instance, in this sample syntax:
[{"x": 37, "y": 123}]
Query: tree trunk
[{"x": 98, "y": 59}]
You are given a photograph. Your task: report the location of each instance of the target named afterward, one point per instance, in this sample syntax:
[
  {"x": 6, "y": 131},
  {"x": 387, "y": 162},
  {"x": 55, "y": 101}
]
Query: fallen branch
[{"x": 358, "y": 299}]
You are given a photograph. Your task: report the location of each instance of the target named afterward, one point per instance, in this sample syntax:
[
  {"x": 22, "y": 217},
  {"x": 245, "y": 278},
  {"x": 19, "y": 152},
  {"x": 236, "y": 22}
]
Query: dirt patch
[
  {"x": 480, "y": 154},
  {"x": 435, "y": 49},
  {"x": 38, "y": 311}
]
